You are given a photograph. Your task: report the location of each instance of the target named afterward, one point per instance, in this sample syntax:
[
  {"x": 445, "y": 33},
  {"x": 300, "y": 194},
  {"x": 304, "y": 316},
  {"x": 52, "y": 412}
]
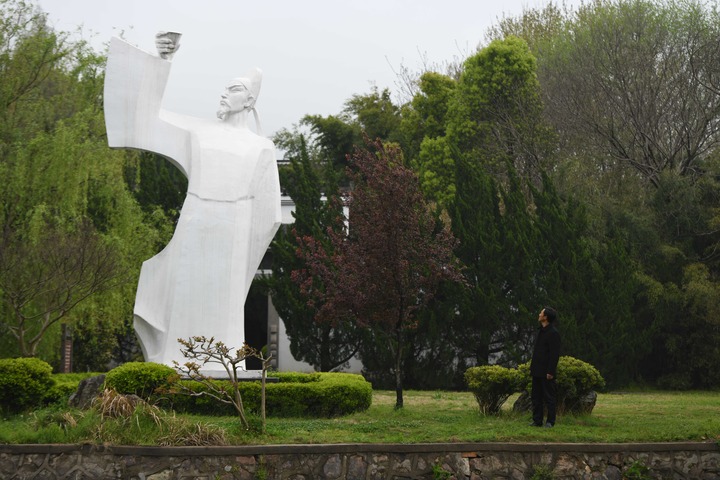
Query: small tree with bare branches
[
  {"x": 42, "y": 280},
  {"x": 201, "y": 351}
]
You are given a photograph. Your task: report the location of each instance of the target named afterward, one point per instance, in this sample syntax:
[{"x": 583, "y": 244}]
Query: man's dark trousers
[{"x": 544, "y": 393}]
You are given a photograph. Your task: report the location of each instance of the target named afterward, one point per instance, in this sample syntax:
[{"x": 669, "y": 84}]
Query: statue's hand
[{"x": 167, "y": 44}]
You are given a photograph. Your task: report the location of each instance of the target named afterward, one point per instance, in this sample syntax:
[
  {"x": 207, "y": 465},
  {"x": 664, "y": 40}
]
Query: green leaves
[
  {"x": 139, "y": 378},
  {"x": 24, "y": 383},
  {"x": 64, "y": 204},
  {"x": 632, "y": 80},
  {"x": 492, "y": 385}
]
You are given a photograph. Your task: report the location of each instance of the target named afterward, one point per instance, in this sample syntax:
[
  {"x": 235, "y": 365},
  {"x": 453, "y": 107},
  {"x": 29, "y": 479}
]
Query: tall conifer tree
[{"x": 324, "y": 345}]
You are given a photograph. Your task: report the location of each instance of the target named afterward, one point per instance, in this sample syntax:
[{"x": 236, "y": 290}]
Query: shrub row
[
  {"x": 492, "y": 384},
  {"x": 27, "y": 383},
  {"x": 307, "y": 395},
  {"x": 294, "y": 394}
]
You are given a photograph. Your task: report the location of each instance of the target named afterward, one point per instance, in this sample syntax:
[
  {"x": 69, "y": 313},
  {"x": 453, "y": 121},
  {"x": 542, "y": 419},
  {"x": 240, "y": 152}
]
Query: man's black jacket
[{"x": 546, "y": 353}]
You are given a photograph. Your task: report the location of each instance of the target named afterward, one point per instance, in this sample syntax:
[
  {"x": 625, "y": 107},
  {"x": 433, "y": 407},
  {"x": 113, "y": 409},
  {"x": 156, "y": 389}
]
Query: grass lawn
[
  {"x": 454, "y": 417},
  {"x": 427, "y": 417}
]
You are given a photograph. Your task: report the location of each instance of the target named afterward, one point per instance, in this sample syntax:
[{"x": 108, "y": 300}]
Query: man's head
[
  {"x": 547, "y": 315},
  {"x": 240, "y": 94}
]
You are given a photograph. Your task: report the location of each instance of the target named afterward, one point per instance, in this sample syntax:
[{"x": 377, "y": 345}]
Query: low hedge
[
  {"x": 294, "y": 395},
  {"x": 295, "y": 377},
  {"x": 24, "y": 384}
]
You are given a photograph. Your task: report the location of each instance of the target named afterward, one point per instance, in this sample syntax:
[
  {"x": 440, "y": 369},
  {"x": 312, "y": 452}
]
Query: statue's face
[{"x": 235, "y": 99}]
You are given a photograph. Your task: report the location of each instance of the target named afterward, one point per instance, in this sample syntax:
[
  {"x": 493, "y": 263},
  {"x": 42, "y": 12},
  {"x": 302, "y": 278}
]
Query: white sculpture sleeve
[
  {"x": 134, "y": 85},
  {"x": 267, "y": 212}
]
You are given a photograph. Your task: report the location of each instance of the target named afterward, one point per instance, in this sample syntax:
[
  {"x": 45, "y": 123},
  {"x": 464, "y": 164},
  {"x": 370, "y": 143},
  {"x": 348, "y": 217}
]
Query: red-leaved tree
[{"x": 387, "y": 261}]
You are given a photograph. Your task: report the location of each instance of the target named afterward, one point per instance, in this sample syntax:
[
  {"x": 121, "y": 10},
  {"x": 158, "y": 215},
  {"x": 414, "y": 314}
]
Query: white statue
[{"x": 198, "y": 284}]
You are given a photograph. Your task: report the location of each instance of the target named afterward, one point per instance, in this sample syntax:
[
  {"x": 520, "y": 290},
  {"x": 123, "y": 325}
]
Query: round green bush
[
  {"x": 24, "y": 383},
  {"x": 340, "y": 394},
  {"x": 491, "y": 385},
  {"x": 139, "y": 378},
  {"x": 575, "y": 379}
]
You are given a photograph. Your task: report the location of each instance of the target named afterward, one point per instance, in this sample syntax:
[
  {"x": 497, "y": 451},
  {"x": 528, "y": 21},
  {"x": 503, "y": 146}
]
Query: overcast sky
[{"x": 315, "y": 54}]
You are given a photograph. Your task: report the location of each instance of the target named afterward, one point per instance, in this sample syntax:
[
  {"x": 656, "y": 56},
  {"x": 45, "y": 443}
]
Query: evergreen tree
[
  {"x": 522, "y": 292},
  {"x": 477, "y": 223},
  {"x": 326, "y": 345},
  {"x": 590, "y": 281},
  {"x": 156, "y": 183}
]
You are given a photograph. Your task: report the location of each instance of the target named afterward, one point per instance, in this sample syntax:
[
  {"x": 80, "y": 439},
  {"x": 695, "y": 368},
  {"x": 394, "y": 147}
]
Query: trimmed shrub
[
  {"x": 24, "y": 383},
  {"x": 337, "y": 394},
  {"x": 491, "y": 385},
  {"x": 575, "y": 379},
  {"x": 294, "y": 395},
  {"x": 139, "y": 378}
]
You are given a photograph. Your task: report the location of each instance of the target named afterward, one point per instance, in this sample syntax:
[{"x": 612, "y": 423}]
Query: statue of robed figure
[{"x": 197, "y": 285}]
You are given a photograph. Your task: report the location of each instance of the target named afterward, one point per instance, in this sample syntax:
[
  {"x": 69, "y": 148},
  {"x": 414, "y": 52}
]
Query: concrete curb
[{"x": 360, "y": 448}]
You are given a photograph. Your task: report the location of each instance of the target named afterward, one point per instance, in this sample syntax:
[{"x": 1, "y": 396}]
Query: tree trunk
[
  {"x": 265, "y": 364},
  {"x": 325, "y": 360},
  {"x": 398, "y": 370},
  {"x": 23, "y": 346}
]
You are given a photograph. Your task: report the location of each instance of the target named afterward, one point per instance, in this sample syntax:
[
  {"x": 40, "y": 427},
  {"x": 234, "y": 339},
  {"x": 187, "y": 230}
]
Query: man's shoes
[
  {"x": 548, "y": 425},
  {"x": 533, "y": 424}
]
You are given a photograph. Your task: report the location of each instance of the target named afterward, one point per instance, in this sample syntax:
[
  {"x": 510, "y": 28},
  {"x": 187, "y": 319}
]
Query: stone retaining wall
[{"x": 473, "y": 461}]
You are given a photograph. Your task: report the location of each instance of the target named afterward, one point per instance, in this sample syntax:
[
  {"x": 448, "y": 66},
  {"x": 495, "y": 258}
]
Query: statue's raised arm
[{"x": 135, "y": 82}]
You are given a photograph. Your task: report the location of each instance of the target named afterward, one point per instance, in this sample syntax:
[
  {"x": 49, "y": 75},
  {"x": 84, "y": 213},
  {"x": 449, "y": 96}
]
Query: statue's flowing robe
[{"x": 198, "y": 284}]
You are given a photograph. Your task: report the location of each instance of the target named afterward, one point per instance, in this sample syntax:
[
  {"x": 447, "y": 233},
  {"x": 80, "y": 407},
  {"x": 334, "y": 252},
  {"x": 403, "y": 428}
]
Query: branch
[{"x": 207, "y": 350}]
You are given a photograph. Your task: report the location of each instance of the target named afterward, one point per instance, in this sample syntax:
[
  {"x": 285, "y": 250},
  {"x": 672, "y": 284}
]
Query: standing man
[{"x": 543, "y": 369}]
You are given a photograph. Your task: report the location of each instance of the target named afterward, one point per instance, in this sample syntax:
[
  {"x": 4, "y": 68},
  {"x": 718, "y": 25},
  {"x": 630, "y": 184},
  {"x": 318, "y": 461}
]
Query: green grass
[{"x": 427, "y": 417}]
